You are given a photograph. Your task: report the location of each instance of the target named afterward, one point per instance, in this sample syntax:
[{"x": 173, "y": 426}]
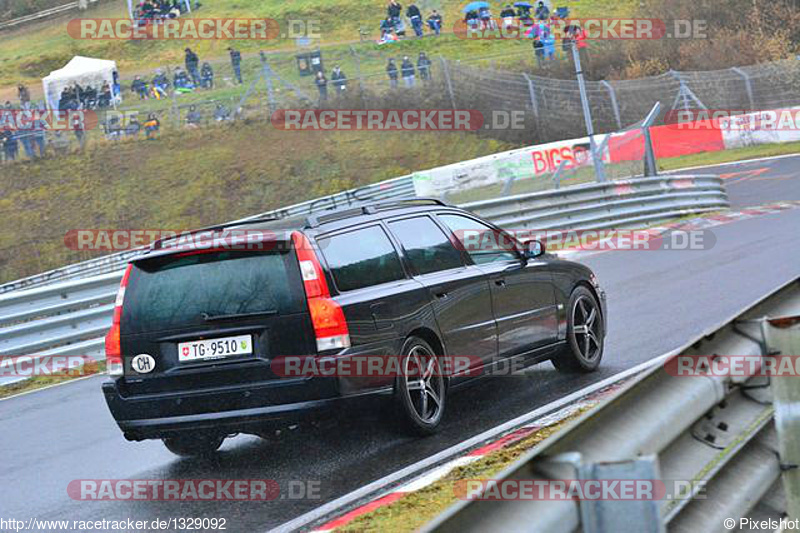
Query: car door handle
[
  {"x": 441, "y": 295},
  {"x": 500, "y": 282}
]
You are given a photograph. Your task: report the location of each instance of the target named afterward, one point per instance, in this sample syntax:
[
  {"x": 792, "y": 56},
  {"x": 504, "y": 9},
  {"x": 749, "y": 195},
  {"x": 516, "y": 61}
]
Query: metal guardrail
[
  {"x": 42, "y": 14},
  {"x": 715, "y": 432},
  {"x": 71, "y": 317},
  {"x": 605, "y": 205},
  {"x": 402, "y": 187}
]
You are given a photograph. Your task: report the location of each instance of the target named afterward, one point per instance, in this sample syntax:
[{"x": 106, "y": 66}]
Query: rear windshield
[{"x": 175, "y": 291}]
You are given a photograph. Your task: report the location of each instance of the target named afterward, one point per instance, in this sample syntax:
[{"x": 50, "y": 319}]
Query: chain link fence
[{"x": 551, "y": 107}]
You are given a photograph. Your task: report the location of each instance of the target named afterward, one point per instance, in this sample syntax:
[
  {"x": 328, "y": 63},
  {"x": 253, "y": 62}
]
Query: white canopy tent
[{"x": 82, "y": 70}]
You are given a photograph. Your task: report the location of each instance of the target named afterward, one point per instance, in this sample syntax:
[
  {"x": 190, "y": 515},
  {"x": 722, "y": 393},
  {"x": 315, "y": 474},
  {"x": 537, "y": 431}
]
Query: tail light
[
  {"x": 113, "y": 343},
  {"x": 330, "y": 326}
]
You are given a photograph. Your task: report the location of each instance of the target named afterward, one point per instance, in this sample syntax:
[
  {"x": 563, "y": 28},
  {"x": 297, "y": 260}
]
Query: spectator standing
[
  {"x": 207, "y": 76},
  {"x": 394, "y": 11},
  {"x": 39, "y": 129},
  {"x": 80, "y": 133},
  {"x": 26, "y": 135},
  {"x": 236, "y": 63},
  {"x": 105, "y": 96},
  {"x": 507, "y": 15},
  {"x": 542, "y": 12},
  {"x": 472, "y": 20},
  {"x": 322, "y": 86},
  {"x": 391, "y": 71},
  {"x": 139, "y": 87},
  {"x": 24, "y": 94},
  {"x": 151, "y": 126},
  {"x": 424, "y": 67},
  {"x": 133, "y": 127},
  {"x": 415, "y": 17},
  {"x": 549, "y": 44},
  {"x": 192, "y": 61},
  {"x": 10, "y": 147},
  {"x": 538, "y": 50},
  {"x": 407, "y": 69},
  {"x": 486, "y": 18},
  {"x": 339, "y": 80},
  {"x": 435, "y": 22}
]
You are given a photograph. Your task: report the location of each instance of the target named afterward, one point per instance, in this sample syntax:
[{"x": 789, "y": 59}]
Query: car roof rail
[
  {"x": 158, "y": 244},
  {"x": 315, "y": 220}
]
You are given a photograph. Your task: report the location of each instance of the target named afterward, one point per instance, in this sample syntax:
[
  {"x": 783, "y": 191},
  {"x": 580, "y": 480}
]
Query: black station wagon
[{"x": 205, "y": 336}]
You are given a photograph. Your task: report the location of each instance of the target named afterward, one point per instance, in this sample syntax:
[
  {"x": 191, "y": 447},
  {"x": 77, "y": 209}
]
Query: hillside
[{"x": 195, "y": 178}]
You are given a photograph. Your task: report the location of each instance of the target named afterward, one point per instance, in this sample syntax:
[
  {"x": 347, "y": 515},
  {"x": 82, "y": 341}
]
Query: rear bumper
[{"x": 242, "y": 409}]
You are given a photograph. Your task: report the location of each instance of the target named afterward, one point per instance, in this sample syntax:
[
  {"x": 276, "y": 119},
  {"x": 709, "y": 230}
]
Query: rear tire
[
  {"x": 585, "y": 334},
  {"x": 421, "y": 389},
  {"x": 193, "y": 445}
]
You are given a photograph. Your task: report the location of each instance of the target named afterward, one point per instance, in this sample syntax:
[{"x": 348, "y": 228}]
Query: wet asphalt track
[{"x": 657, "y": 301}]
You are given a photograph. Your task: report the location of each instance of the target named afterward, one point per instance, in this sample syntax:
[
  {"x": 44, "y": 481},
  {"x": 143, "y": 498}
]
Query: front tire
[
  {"x": 585, "y": 334},
  {"x": 193, "y": 445},
  {"x": 420, "y": 389}
]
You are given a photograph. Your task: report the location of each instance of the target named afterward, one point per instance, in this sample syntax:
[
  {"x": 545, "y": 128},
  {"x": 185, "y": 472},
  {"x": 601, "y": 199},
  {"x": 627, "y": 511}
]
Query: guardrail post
[
  {"x": 605, "y": 516},
  {"x": 748, "y": 85},
  {"x": 614, "y": 104},
  {"x": 785, "y": 341}
]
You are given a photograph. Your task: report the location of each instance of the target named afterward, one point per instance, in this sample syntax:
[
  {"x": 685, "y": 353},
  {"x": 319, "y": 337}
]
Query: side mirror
[{"x": 535, "y": 249}]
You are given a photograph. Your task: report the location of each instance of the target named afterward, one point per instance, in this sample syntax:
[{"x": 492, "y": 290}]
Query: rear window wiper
[{"x": 214, "y": 318}]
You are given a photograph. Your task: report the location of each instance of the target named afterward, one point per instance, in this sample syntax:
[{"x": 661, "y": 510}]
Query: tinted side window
[
  {"x": 361, "y": 258},
  {"x": 427, "y": 247},
  {"x": 482, "y": 243}
]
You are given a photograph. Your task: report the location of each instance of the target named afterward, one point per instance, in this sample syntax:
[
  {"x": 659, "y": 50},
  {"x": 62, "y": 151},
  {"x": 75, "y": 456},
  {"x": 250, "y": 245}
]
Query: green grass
[
  {"x": 39, "y": 382},
  {"x": 193, "y": 178},
  {"x": 727, "y": 156},
  {"x": 416, "y": 509},
  {"x": 32, "y": 52}
]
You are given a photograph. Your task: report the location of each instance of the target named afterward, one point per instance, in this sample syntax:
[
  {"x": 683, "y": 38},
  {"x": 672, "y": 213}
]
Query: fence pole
[
  {"x": 532, "y": 91},
  {"x": 747, "y": 85},
  {"x": 268, "y": 79},
  {"x": 685, "y": 94},
  {"x": 614, "y": 104},
  {"x": 357, "y": 62},
  {"x": 246, "y": 95},
  {"x": 534, "y": 104},
  {"x": 599, "y": 169},
  {"x": 446, "y": 70}
]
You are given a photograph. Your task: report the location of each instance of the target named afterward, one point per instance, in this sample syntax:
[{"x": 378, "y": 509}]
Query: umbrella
[
  {"x": 524, "y": 5},
  {"x": 474, "y": 6}
]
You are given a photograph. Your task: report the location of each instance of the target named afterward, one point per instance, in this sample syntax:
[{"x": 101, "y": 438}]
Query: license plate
[{"x": 215, "y": 348}]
